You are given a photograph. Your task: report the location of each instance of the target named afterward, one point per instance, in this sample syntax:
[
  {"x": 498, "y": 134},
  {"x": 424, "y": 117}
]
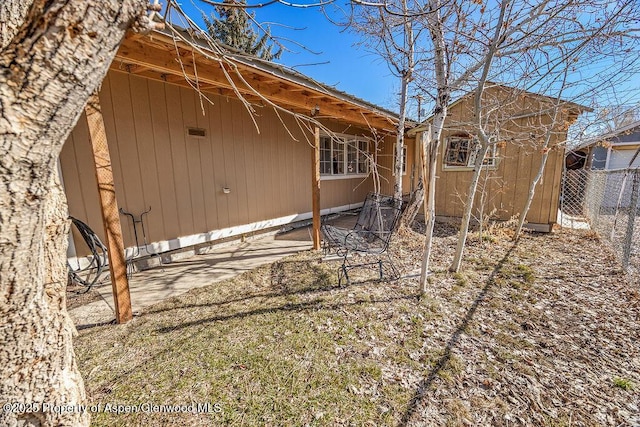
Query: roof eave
[{"x": 356, "y": 111}]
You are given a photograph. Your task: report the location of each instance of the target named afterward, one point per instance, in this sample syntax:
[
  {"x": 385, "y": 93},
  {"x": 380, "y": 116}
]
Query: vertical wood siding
[
  {"x": 157, "y": 164},
  {"x": 518, "y": 164}
]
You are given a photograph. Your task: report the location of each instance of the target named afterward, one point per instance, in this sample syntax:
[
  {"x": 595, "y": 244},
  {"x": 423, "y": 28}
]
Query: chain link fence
[{"x": 608, "y": 203}]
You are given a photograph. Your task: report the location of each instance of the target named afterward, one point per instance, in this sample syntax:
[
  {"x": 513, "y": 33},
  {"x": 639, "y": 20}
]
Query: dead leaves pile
[{"x": 545, "y": 332}]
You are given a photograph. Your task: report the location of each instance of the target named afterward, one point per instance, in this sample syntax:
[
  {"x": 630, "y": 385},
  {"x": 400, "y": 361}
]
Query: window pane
[
  {"x": 338, "y": 157},
  {"x": 490, "y": 158},
  {"x": 463, "y": 151},
  {"x": 471, "y": 158},
  {"x": 325, "y": 156},
  {"x": 352, "y": 157},
  {"x": 404, "y": 160},
  {"x": 450, "y": 155},
  {"x": 343, "y": 157},
  {"x": 363, "y": 161},
  {"x": 457, "y": 152}
]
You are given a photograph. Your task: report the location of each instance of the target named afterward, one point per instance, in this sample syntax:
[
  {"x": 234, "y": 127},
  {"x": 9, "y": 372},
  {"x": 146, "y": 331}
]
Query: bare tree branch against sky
[
  {"x": 323, "y": 51},
  {"x": 335, "y": 55}
]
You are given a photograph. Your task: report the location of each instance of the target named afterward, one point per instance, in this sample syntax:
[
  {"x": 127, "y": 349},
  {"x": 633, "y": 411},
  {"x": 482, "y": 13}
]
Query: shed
[{"x": 519, "y": 121}]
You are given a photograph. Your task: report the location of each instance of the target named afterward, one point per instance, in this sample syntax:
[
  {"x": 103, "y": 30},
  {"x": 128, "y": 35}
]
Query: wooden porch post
[
  {"x": 315, "y": 188},
  {"x": 109, "y": 207}
]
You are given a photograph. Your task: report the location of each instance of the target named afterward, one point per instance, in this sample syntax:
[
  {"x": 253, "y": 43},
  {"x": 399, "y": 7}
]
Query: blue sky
[
  {"x": 339, "y": 62},
  {"x": 353, "y": 69}
]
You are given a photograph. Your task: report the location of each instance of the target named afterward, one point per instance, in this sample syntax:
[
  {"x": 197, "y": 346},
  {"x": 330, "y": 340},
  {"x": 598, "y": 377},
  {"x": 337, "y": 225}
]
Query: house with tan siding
[
  {"x": 206, "y": 167},
  {"x": 226, "y": 160}
]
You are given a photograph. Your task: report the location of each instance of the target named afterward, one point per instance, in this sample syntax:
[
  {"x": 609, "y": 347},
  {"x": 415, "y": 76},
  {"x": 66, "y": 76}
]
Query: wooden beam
[
  {"x": 109, "y": 208},
  {"x": 135, "y": 69},
  {"x": 144, "y": 54},
  {"x": 315, "y": 188},
  {"x": 174, "y": 78}
]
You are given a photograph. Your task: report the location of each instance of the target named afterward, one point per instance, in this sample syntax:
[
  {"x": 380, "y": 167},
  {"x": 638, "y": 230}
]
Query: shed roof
[{"x": 577, "y": 108}]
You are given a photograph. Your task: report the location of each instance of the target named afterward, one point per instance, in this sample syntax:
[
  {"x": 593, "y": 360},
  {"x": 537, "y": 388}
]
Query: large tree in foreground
[{"x": 53, "y": 55}]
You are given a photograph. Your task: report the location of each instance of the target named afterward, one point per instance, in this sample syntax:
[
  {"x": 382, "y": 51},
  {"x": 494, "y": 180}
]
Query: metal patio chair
[{"x": 371, "y": 234}]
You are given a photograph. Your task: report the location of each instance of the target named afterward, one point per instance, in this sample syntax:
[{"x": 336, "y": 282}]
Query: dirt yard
[{"x": 544, "y": 332}]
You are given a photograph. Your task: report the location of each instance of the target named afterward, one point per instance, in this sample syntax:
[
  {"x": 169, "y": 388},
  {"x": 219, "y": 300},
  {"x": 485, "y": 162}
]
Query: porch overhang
[{"x": 168, "y": 58}]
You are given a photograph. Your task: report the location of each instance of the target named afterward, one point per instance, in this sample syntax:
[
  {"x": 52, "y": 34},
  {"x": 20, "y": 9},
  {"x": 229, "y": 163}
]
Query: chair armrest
[
  {"x": 366, "y": 241},
  {"x": 333, "y": 235}
]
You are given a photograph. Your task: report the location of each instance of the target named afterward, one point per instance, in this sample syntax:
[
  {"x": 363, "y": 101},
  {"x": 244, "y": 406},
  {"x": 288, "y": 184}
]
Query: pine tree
[{"x": 233, "y": 27}]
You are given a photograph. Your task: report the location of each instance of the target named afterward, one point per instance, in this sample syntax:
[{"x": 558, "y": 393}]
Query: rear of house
[{"x": 203, "y": 167}]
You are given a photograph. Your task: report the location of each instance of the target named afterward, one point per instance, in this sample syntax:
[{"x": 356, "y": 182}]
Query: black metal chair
[{"x": 371, "y": 234}]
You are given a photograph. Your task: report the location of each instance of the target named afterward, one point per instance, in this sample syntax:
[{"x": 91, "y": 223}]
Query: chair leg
[
  {"x": 342, "y": 273},
  {"x": 395, "y": 274}
]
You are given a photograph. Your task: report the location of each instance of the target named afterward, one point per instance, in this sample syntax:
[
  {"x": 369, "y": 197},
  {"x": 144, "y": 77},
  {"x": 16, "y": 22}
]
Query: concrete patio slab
[{"x": 151, "y": 286}]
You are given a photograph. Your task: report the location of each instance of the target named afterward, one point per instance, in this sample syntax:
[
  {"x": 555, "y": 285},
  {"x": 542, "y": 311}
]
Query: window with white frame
[
  {"x": 461, "y": 152},
  {"x": 344, "y": 156}
]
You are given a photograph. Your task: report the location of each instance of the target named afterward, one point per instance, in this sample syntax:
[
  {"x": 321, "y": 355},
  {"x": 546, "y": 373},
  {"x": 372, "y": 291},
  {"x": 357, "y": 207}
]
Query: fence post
[
  {"x": 602, "y": 182},
  {"x": 633, "y": 209}
]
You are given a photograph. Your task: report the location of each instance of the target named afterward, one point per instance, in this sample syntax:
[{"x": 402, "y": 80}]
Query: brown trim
[
  {"x": 315, "y": 187},
  {"x": 160, "y": 55}
]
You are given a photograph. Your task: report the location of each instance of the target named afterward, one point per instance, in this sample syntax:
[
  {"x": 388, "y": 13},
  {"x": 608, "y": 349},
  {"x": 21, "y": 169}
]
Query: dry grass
[{"x": 544, "y": 333}]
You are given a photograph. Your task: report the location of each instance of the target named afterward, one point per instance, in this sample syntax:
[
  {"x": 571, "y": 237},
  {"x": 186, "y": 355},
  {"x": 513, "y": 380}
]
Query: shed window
[
  {"x": 461, "y": 153},
  {"x": 343, "y": 157}
]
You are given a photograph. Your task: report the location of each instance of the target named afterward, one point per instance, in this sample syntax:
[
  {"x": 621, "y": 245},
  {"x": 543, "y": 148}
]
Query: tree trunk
[
  {"x": 37, "y": 356},
  {"x": 53, "y": 55},
  {"x": 12, "y": 14},
  {"x": 468, "y": 208},
  {"x": 436, "y": 31},
  {"x": 407, "y": 76},
  {"x": 482, "y": 137},
  {"x": 397, "y": 164},
  {"x": 429, "y": 156}
]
